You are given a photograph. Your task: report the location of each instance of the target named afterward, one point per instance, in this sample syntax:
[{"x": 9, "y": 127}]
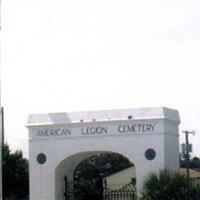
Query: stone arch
[{"x": 59, "y": 141}]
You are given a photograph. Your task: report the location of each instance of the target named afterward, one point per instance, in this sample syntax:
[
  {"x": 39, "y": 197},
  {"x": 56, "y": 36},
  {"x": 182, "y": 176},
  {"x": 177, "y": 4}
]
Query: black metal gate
[
  {"x": 128, "y": 192},
  {"x": 73, "y": 192}
]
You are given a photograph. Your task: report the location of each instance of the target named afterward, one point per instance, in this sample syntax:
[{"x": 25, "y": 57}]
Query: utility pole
[
  {"x": 2, "y": 124},
  {"x": 187, "y": 148},
  {"x": 1, "y": 146}
]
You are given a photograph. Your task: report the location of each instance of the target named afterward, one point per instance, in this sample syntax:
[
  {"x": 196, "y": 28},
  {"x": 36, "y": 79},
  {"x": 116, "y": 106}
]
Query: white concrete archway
[
  {"x": 148, "y": 137},
  {"x": 67, "y": 167}
]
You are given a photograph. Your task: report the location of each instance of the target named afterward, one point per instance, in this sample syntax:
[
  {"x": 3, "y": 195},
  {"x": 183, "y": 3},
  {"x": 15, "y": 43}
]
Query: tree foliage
[
  {"x": 15, "y": 174},
  {"x": 168, "y": 186},
  {"x": 106, "y": 163},
  {"x": 194, "y": 163},
  {"x": 89, "y": 173}
]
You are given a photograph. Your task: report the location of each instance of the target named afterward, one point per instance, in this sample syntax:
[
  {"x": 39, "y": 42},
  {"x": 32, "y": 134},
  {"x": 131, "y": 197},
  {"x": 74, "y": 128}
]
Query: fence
[
  {"x": 127, "y": 192},
  {"x": 119, "y": 195}
]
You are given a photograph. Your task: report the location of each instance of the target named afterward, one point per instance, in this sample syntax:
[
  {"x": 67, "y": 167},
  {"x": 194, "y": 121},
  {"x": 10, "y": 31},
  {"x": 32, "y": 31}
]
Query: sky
[{"x": 64, "y": 56}]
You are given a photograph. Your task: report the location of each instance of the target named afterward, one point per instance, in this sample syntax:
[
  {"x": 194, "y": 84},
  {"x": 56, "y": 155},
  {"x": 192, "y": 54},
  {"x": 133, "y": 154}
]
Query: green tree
[
  {"x": 194, "y": 163},
  {"x": 168, "y": 186},
  {"x": 15, "y": 174},
  {"x": 165, "y": 186},
  {"x": 89, "y": 173}
]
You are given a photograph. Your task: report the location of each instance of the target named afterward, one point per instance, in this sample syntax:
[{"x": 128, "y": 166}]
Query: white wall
[{"x": 119, "y": 179}]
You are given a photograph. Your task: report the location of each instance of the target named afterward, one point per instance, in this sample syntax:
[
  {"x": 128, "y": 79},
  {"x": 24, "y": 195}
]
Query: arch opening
[{"x": 92, "y": 175}]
